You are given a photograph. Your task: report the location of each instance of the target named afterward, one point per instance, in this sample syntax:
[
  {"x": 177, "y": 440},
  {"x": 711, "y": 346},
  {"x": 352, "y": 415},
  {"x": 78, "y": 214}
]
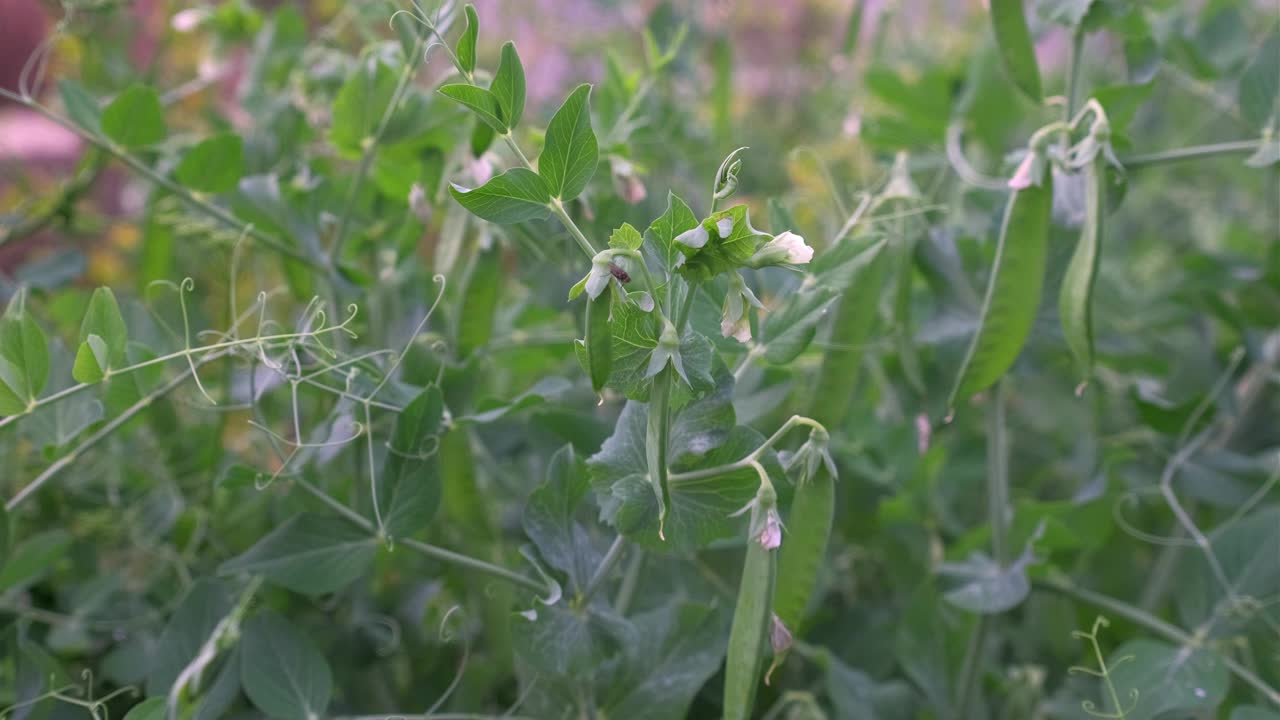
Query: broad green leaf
[
  {"x": 23, "y": 346},
  {"x": 567, "y": 645},
  {"x": 634, "y": 339},
  {"x": 789, "y": 328},
  {"x": 149, "y": 709},
  {"x": 1159, "y": 679},
  {"x": 988, "y": 587},
  {"x": 36, "y": 673},
  {"x": 724, "y": 251},
  {"x": 1122, "y": 102},
  {"x": 282, "y": 671},
  {"x": 482, "y": 286},
  {"x": 466, "y": 47},
  {"x": 1260, "y": 84},
  {"x": 103, "y": 319},
  {"x": 1014, "y": 40},
  {"x": 479, "y": 101},
  {"x": 626, "y": 238},
  {"x": 13, "y": 383},
  {"x": 217, "y": 698},
  {"x": 930, "y": 644},
  {"x": 678, "y": 647},
  {"x": 135, "y": 118},
  {"x": 517, "y": 195},
  {"x": 569, "y": 157},
  {"x": 33, "y": 558},
  {"x": 80, "y": 106},
  {"x": 1013, "y": 291},
  {"x": 364, "y": 101},
  {"x": 549, "y": 519},
  {"x": 677, "y": 219},
  {"x": 703, "y": 436},
  {"x": 214, "y": 166},
  {"x": 92, "y": 361},
  {"x": 1252, "y": 573},
  {"x": 409, "y": 484},
  {"x": 206, "y": 603},
  {"x": 309, "y": 554},
  {"x": 855, "y": 695},
  {"x": 508, "y": 86}
]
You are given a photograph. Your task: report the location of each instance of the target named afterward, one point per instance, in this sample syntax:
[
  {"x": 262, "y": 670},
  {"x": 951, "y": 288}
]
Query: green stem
[
  {"x": 656, "y": 439},
  {"x": 1073, "y": 74},
  {"x": 687, "y": 308},
  {"x": 748, "y": 461},
  {"x": 186, "y": 196},
  {"x": 1195, "y": 152},
  {"x": 1172, "y": 633},
  {"x": 969, "y": 675},
  {"x": 998, "y": 475}
]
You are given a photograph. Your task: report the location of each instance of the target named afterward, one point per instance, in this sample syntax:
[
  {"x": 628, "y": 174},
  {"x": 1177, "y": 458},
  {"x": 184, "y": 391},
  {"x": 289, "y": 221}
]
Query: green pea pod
[
  {"x": 812, "y": 509},
  {"x": 855, "y": 316},
  {"x": 1009, "y": 21},
  {"x": 1013, "y": 292},
  {"x": 599, "y": 341},
  {"x": 479, "y": 300},
  {"x": 1075, "y": 301},
  {"x": 748, "y": 637}
]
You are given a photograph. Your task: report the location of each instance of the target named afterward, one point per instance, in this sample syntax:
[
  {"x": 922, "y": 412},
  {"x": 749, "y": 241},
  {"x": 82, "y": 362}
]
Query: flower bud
[
  {"x": 735, "y": 321},
  {"x": 786, "y": 248},
  {"x": 1030, "y": 171}
]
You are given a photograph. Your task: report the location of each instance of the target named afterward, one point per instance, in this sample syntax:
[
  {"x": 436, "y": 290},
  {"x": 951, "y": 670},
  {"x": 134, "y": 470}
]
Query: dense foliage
[{"x": 391, "y": 390}]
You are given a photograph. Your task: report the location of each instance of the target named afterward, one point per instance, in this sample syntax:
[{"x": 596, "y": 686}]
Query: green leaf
[
  {"x": 1014, "y": 40},
  {"x": 508, "y": 86},
  {"x": 1013, "y": 292},
  {"x": 466, "y": 47},
  {"x": 33, "y": 558},
  {"x": 1251, "y": 573},
  {"x": 626, "y": 238},
  {"x": 988, "y": 587},
  {"x": 80, "y": 106},
  {"x": 149, "y": 709},
  {"x": 789, "y": 328},
  {"x": 1260, "y": 84},
  {"x": 1254, "y": 712},
  {"x": 569, "y": 158},
  {"x": 566, "y": 644},
  {"x": 309, "y": 554},
  {"x": 479, "y": 101},
  {"x": 703, "y": 436},
  {"x": 135, "y": 118},
  {"x": 634, "y": 340},
  {"x": 92, "y": 361},
  {"x": 723, "y": 252},
  {"x": 1122, "y": 102},
  {"x": 1164, "y": 679},
  {"x": 517, "y": 195},
  {"x": 677, "y": 648},
  {"x": 282, "y": 671},
  {"x": 364, "y": 100},
  {"x": 549, "y": 521},
  {"x": 26, "y": 355},
  {"x": 214, "y": 166},
  {"x": 206, "y": 603},
  {"x": 662, "y": 232},
  {"x": 409, "y": 484},
  {"x": 855, "y": 695},
  {"x": 103, "y": 319}
]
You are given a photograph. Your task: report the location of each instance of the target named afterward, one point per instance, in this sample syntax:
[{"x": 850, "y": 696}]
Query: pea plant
[{"x": 403, "y": 385}]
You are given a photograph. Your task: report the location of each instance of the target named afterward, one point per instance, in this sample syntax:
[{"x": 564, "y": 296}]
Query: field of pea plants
[{"x": 640, "y": 360}]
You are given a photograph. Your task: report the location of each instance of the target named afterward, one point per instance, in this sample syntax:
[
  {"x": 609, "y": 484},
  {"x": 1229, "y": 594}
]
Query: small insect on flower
[{"x": 619, "y": 273}]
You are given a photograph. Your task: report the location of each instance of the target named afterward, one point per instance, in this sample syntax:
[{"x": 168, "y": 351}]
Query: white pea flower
[
  {"x": 786, "y": 248},
  {"x": 694, "y": 238},
  {"x": 770, "y": 535},
  {"x": 735, "y": 320},
  {"x": 597, "y": 280}
]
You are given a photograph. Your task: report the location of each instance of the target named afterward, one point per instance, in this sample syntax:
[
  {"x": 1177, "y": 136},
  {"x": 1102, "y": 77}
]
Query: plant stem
[
  {"x": 746, "y": 462},
  {"x": 1073, "y": 74},
  {"x": 189, "y": 198},
  {"x": 622, "y": 601},
  {"x": 1170, "y": 632},
  {"x": 969, "y": 675},
  {"x": 422, "y": 548},
  {"x": 687, "y": 308},
  {"x": 610, "y": 559},
  {"x": 1235, "y": 147}
]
